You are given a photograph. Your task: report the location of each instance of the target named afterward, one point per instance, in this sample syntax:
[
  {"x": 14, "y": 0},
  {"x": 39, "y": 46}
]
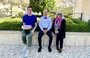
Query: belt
[{"x": 45, "y": 28}]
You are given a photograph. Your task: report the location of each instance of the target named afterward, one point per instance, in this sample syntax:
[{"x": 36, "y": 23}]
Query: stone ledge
[{"x": 72, "y": 38}]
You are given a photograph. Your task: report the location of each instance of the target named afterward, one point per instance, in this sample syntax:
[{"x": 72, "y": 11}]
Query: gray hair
[{"x": 60, "y": 13}]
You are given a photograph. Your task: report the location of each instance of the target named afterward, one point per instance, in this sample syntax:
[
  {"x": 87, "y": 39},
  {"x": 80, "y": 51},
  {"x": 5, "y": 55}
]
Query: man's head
[
  {"x": 45, "y": 12},
  {"x": 29, "y": 9}
]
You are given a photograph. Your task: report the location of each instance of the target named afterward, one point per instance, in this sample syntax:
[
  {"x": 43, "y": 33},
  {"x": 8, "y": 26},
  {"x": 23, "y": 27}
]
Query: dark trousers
[
  {"x": 59, "y": 41},
  {"x": 49, "y": 33}
]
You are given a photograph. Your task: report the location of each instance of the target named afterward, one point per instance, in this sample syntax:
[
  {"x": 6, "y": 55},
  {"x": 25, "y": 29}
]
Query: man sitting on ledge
[{"x": 45, "y": 25}]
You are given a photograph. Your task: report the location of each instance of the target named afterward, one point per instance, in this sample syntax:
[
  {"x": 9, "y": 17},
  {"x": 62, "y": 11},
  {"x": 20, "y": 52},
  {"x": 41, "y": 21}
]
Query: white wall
[{"x": 82, "y": 6}]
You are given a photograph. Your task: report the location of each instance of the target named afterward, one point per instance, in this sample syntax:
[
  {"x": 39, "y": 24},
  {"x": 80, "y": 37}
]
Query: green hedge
[
  {"x": 72, "y": 25},
  {"x": 10, "y": 24},
  {"x": 76, "y": 25}
]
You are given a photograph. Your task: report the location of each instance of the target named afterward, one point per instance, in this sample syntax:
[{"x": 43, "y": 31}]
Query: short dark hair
[{"x": 29, "y": 7}]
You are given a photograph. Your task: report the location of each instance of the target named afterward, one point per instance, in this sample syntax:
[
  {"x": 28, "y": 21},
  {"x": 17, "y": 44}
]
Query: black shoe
[
  {"x": 57, "y": 48},
  {"x": 49, "y": 49},
  {"x": 39, "y": 49},
  {"x": 60, "y": 50}
]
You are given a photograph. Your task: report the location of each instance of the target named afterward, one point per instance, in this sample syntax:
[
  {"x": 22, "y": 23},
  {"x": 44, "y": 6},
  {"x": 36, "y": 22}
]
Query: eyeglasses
[{"x": 59, "y": 14}]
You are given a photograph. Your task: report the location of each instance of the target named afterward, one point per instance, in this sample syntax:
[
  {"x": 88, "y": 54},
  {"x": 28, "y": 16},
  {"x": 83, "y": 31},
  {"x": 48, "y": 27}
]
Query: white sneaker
[
  {"x": 26, "y": 54},
  {"x": 25, "y": 48},
  {"x": 24, "y": 51}
]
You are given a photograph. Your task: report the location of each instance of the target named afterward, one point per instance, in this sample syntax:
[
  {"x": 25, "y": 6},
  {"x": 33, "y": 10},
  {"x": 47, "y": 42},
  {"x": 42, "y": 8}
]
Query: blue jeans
[{"x": 25, "y": 39}]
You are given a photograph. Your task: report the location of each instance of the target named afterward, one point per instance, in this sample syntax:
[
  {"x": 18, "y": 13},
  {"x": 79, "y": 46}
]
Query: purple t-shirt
[{"x": 29, "y": 20}]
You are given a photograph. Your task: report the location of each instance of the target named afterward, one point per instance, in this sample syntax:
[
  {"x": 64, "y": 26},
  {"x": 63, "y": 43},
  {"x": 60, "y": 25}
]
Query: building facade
[{"x": 82, "y": 9}]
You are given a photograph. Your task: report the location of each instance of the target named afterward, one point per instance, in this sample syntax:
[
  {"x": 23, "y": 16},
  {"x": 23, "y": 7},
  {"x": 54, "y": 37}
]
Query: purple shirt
[{"x": 29, "y": 20}]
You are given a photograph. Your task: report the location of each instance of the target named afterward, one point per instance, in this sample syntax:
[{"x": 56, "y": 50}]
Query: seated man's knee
[
  {"x": 24, "y": 40},
  {"x": 50, "y": 36},
  {"x": 39, "y": 37},
  {"x": 30, "y": 34}
]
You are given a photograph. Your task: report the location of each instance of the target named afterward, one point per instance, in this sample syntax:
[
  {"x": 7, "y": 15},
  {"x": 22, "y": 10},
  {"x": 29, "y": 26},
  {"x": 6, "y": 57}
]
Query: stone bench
[{"x": 72, "y": 38}]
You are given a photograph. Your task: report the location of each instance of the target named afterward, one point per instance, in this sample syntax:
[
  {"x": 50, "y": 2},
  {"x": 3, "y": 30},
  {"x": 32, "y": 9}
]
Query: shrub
[
  {"x": 76, "y": 25},
  {"x": 72, "y": 25},
  {"x": 10, "y": 24},
  {"x": 40, "y": 5},
  {"x": 89, "y": 25}
]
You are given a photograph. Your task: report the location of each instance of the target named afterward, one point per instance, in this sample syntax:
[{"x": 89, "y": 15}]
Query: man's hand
[
  {"x": 32, "y": 31},
  {"x": 45, "y": 31}
]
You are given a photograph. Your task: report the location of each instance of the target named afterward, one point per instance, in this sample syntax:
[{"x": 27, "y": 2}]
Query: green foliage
[
  {"x": 49, "y": 4},
  {"x": 39, "y": 5},
  {"x": 72, "y": 25},
  {"x": 76, "y": 25},
  {"x": 10, "y": 24},
  {"x": 20, "y": 14},
  {"x": 89, "y": 25},
  {"x": 67, "y": 11}
]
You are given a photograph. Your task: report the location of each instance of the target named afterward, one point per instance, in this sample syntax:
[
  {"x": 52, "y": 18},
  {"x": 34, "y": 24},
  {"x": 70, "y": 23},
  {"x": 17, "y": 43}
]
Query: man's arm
[
  {"x": 35, "y": 26},
  {"x": 40, "y": 24},
  {"x": 23, "y": 20},
  {"x": 50, "y": 24}
]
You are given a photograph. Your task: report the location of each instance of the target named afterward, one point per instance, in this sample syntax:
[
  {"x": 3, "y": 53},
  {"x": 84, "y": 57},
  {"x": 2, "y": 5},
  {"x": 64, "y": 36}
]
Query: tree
[{"x": 39, "y": 5}]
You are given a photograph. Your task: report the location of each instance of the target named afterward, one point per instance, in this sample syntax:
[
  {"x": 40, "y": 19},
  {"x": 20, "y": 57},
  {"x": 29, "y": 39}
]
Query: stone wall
[{"x": 72, "y": 38}]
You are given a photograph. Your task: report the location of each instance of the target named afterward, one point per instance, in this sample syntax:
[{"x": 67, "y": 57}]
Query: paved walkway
[{"x": 15, "y": 51}]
